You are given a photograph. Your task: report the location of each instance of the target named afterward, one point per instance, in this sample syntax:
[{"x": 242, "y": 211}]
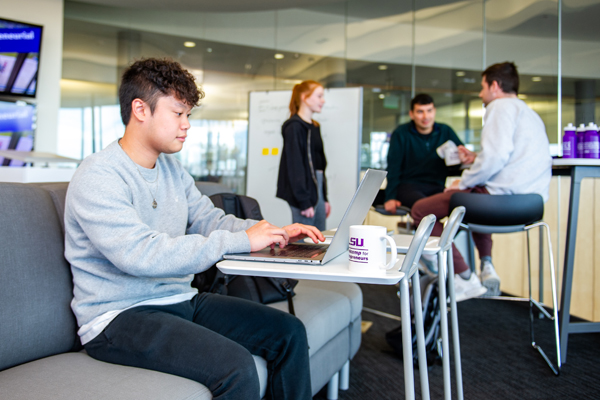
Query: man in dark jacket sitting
[{"x": 415, "y": 170}]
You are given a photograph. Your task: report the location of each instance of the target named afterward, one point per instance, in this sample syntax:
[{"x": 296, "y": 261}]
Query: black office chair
[
  {"x": 237, "y": 204},
  {"x": 506, "y": 214},
  {"x": 401, "y": 211}
]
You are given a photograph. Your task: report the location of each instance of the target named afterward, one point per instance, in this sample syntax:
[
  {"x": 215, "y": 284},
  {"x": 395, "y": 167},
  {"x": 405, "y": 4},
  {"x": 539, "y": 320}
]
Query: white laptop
[{"x": 303, "y": 253}]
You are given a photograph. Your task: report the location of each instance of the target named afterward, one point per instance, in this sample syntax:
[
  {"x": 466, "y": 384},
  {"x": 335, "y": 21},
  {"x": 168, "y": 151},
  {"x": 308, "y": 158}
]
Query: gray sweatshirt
[
  {"x": 123, "y": 252},
  {"x": 515, "y": 155}
]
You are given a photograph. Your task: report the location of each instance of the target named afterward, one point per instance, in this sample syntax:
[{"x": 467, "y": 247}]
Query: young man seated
[
  {"x": 514, "y": 159},
  {"x": 137, "y": 230},
  {"x": 415, "y": 170}
]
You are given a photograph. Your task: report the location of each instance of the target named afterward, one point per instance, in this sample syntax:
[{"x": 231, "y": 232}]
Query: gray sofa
[{"x": 40, "y": 353}]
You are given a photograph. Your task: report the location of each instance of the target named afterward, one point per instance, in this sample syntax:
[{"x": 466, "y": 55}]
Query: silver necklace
[{"x": 148, "y": 183}]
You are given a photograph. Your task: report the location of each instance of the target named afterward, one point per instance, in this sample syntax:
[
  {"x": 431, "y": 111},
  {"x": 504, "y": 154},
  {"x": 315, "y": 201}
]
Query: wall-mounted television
[
  {"x": 17, "y": 125},
  {"x": 20, "y": 45}
]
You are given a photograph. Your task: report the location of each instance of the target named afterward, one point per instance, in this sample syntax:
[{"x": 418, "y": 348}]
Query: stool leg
[
  {"x": 554, "y": 317},
  {"x": 531, "y": 331},
  {"x": 409, "y": 386},
  {"x": 442, "y": 271},
  {"x": 422, "y": 356},
  {"x": 541, "y": 270},
  {"x": 554, "y": 299},
  {"x": 471, "y": 251},
  {"x": 454, "y": 320}
]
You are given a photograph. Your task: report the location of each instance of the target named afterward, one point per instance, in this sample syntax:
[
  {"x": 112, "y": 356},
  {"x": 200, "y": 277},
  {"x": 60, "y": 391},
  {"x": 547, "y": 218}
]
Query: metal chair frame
[
  {"x": 410, "y": 268},
  {"x": 446, "y": 276}
]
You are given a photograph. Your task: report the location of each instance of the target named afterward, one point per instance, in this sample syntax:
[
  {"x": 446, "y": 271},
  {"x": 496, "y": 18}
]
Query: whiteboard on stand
[{"x": 341, "y": 122}]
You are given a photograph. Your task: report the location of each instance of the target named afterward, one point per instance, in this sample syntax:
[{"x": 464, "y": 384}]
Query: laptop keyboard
[{"x": 301, "y": 251}]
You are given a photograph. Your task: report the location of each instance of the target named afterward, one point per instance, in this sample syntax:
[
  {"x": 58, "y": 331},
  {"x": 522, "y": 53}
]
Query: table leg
[{"x": 568, "y": 266}]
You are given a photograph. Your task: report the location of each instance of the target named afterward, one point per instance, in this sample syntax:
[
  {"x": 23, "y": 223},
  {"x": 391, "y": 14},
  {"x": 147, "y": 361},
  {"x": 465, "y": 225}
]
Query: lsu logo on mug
[
  {"x": 367, "y": 249},
  {"x": 357, "y": 242}
]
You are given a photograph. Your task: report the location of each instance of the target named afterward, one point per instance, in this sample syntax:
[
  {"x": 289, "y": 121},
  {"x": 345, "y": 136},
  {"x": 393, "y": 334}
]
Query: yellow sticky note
[
  {"x": 274, "y": 151},
  {"x": 265, "y": 151}
]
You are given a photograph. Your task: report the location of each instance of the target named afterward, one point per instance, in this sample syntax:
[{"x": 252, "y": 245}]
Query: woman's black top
[{"x": 297, "y": 182}]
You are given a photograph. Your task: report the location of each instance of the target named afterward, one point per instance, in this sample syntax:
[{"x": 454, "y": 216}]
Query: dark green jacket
[{"x": 412, "y": 157}]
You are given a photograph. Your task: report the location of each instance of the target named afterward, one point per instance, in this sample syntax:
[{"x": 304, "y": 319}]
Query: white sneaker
[
  {"x": 490, "y": 279},
  {"x": 431, "y": 263},
  {"x": 467, "y": 289}
]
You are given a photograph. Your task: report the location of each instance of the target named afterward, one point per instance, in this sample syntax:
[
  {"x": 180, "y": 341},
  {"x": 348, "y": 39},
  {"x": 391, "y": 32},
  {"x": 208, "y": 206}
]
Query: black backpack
[
  {"x": 431, "y": 323},
  {"x": 260, "y": 289}
]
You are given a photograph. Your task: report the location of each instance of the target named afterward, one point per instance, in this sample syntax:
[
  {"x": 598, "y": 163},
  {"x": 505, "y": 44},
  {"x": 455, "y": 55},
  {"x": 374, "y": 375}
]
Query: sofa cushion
[
  {"x": 354, "y": 295},
  {"x": 323, "y": 312},
  {"x": 78, "y": 376},
  {"x": 350, "y": 290},
  {"x": 328, "y": 360},
  {"x": 35, "y": 279},
  {"x": 58, "y": 193}
]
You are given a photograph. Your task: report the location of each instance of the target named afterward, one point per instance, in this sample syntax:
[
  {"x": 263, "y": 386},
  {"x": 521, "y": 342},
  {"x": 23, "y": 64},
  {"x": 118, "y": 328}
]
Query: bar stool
[
  {"x": 401, "y": 211},
  {"x": 490, "y": 214}
]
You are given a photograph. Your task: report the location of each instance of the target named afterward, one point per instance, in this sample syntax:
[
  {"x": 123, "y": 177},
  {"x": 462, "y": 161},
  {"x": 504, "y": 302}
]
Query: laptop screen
[{"x": 356, "y": 212}]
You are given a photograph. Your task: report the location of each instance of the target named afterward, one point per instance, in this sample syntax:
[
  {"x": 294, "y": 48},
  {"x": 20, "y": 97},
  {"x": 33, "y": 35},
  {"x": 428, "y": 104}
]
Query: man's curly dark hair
[{"x": 150, "y": 78}]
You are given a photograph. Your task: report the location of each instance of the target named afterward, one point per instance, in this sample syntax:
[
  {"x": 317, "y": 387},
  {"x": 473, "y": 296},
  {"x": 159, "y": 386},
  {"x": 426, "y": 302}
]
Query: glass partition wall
[{"x": 393, "y": 49}]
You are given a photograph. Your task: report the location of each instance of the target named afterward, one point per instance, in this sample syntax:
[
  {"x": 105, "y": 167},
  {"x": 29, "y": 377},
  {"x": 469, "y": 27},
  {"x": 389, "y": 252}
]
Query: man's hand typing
[
  {"x": 265, "y": 234},
  {"x": 299, "y": 231}
]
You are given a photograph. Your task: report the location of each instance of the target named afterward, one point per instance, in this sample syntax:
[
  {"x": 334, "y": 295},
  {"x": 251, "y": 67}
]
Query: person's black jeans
[
  {"x": 211, "y": 339},
  {"x": 409, "y": 193}
]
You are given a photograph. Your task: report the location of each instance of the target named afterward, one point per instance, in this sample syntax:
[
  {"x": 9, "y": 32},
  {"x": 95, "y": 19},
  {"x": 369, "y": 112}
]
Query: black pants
[
  {"x": 211, "y": 339},
  {"x": 409, "y": 193}
]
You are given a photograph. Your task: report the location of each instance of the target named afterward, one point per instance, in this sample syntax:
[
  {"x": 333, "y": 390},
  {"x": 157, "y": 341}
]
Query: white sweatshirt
[{"x": 515, "y": 155}]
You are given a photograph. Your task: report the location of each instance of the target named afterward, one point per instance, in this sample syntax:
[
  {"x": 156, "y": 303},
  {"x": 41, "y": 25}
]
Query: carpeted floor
[{"x": 497, "y": 358}]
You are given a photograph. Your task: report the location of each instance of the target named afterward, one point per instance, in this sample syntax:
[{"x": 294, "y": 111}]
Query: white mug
[{"x": 367, "y": 249}]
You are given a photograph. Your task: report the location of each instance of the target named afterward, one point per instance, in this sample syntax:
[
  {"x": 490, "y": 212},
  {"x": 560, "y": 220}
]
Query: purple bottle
[
  {"x": 580, "y": 140},
  {"x": 569, "y": 142},
  {"x": 591, "y": 145}
]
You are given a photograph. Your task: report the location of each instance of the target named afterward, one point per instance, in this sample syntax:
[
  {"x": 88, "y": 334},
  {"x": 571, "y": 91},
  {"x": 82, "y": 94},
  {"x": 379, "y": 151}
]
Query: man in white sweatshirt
[{"x": 514, "y": 159}]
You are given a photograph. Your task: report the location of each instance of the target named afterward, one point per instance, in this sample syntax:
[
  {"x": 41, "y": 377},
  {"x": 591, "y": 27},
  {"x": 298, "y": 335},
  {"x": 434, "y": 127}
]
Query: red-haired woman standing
[{"x": 301, "y": 181}]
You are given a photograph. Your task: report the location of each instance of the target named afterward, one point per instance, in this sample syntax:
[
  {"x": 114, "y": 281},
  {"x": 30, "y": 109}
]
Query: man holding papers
[{"x": 514, "y": 159}]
